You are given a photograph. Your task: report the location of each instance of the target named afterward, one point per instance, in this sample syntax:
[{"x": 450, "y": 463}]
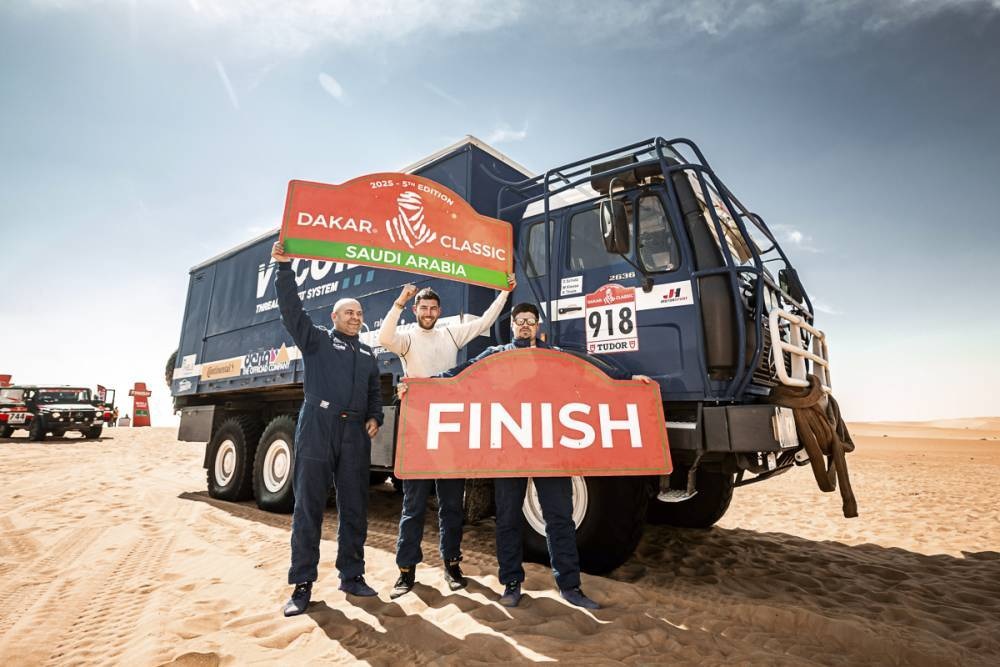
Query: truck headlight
[{"x": 56, "y": 414}]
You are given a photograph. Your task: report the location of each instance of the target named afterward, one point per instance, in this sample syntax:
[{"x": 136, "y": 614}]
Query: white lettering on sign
[
  {"x": 332, "y": 222},
  {"x": 473, "y": 247},
  {"x": 523, "y": 429}
]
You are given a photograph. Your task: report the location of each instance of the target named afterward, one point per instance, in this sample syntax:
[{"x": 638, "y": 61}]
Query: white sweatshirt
[{"x": 425, "y": 353}]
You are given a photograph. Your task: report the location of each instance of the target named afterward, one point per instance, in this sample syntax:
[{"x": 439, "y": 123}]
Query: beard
[{"x": 426, "y": 323}]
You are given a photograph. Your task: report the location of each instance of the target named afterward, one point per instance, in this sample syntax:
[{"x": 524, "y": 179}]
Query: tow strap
[{"x": 823, "y": 433}]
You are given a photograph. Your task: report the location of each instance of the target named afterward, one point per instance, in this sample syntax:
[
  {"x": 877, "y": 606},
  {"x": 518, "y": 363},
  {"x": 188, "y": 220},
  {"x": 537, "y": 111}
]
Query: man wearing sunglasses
[
  {"x": 426, "y": 350},
  {"x": 555, "y": 494}
]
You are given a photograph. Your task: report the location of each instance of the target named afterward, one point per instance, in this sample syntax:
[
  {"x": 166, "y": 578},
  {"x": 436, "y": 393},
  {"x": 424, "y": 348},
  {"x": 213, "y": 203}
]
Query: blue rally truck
[{"x": 718, "y": 319}]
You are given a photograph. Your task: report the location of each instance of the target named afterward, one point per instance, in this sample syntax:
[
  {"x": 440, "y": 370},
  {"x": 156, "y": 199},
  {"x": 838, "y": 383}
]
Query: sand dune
[{"x": 111, "y": 552}]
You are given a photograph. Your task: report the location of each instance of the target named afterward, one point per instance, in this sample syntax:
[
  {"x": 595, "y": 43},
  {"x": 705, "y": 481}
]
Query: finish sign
[{"x": 610, "y": 318}]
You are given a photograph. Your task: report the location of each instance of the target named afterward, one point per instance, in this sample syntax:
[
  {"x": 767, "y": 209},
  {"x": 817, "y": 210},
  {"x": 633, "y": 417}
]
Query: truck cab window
[
  {"x": 655, "y": 241},
  {"x": 586, "y": 242},
  {"x": 535, "y": 263}
]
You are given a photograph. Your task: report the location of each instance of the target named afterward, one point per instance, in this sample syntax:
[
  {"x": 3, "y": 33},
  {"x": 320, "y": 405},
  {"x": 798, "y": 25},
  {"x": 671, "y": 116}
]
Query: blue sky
[{"x": 140, "y": 138}]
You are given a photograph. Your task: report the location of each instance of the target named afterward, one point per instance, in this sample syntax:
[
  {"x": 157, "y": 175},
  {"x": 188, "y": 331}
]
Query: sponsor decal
[
  {"x": 610, "y": 320},
  {"x": 267, "y": 361},
  {"x": 188, "y": 363},
  {"x": 517, "y": 413},
  {"x": 184, "y": 385},
  {"x": 675, "y": 295},
  {"x": 397, "y": 221},
  {"x": 218, "y": 370}
]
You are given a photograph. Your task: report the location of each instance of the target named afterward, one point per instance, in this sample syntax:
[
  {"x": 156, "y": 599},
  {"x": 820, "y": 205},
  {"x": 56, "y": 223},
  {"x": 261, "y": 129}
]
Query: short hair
[
  {"x": 341, "y": 302},
  {"x": 524, "y": 307},
  {"x": 428, "y": 294}
]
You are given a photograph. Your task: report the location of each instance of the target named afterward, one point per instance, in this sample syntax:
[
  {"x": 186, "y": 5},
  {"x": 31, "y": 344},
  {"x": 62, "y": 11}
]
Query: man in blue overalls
[
  {"x": 555, "y": 494},
  {"x": 341, "y": 412}
]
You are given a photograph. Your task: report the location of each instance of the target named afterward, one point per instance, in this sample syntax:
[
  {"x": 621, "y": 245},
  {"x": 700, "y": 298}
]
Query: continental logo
[{"x": 218, "y": 370}]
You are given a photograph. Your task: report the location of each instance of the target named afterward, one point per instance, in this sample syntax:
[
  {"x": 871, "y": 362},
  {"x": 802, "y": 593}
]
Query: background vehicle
[
  {"x": 715, "y": 328},
  {"x": 43, "y": 410}
]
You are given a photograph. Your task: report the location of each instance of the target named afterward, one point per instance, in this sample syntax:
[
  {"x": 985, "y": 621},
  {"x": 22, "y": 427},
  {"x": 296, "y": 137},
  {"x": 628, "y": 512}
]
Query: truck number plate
[
  {"x": 610, "y": 319},
  {"x": 15, "y": 418}
]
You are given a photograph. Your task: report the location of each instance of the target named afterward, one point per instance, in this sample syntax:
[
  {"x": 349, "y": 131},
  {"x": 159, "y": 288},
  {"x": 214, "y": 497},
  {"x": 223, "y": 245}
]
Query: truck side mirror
[
  {"x": 790, "y": 283},
  {"x": 614, "y": 225}
]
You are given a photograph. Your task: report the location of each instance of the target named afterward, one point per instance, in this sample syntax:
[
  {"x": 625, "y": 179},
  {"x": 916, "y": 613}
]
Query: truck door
[{"x": 640, "y": 331}]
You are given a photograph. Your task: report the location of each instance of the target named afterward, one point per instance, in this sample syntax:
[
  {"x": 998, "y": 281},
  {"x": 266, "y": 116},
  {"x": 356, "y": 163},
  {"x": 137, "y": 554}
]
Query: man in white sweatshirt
[{"x": 426, "y": 350}]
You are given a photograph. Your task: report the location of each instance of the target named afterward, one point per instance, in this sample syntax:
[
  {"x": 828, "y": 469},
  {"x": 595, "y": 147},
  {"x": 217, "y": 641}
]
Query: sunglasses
[{"x": 525, "y": 322}]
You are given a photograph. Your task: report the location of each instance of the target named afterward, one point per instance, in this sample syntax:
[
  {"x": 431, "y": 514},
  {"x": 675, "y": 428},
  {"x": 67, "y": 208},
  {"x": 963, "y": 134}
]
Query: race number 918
[{"x": 618, "y": 322}]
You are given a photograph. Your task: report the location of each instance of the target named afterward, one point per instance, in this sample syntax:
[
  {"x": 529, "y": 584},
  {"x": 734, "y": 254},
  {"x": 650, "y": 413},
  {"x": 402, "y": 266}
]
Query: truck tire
[
  {"x": 5, "y": 431},
  {"x": 273, "y": 465},
  {"x": 230, "y": 461},
  {"x": 715, "y": 491},
  {"x": 92, "y": 432},
  {"x": 610, "y": 514},
  {"x": 36, "y": 431},
  {"x": 478, "y": 501}
]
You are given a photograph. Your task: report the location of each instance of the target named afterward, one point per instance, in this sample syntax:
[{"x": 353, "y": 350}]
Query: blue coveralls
[
  {"x": 555, "y": 495},
  {"x": 332, "y": 446}
]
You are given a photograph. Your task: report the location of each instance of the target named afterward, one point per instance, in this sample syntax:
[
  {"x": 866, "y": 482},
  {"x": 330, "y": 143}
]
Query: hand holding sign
[{"x": 278, "y": 253}]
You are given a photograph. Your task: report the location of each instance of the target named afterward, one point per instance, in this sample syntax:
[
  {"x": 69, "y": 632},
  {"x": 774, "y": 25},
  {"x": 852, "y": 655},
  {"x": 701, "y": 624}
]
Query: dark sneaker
[
  {"x": 299, "y": 600},
  {"x": 453, "y": 575},
  {"x": 357, "y": 586},
  {"x": 576, "y": 597},
  {"x": 511, "y": 595},
  {"x": 407, "y": 577}
]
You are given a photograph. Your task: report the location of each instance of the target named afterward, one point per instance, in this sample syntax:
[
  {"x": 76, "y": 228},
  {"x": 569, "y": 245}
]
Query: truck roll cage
[{"x": 730, "y": 222}]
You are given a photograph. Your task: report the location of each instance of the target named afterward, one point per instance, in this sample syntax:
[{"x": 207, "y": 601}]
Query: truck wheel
[
  {"x": 478, "y": 502},
  {"x": 609, "y": 513},
  {"x": 36, "y": 431},
  {"x": 92, "y": 432},
  {"x": 5, "y": 431},
  {"x": 715, "y": 491},
  {"x": 230, "y": 463},
  {"x": 272, "y": 466}
]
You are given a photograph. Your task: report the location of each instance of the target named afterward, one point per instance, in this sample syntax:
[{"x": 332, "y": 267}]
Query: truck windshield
[
  {"x": 49, "y": 396},
  {"x": 655, "y": 241}
]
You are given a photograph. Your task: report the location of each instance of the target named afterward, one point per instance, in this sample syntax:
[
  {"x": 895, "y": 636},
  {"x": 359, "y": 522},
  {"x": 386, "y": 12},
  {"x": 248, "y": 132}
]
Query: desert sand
[{"x": 111, "y": 551}]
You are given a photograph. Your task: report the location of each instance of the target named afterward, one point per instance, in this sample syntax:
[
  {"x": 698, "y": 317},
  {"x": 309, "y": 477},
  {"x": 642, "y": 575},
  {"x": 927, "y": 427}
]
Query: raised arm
[
  {"x": 387, "y": 336},
  {"x": 466, "y": 332},
  {"x": 293, "y": 315}
]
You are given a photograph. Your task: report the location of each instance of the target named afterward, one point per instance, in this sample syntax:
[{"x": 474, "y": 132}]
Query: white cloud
[
  {"x": 227, "y": 84},
  {"x": 821, "y": 306},
  {"x": 331, "y": 86},
  {"x": 503, "y": 133},
  {"x": 788, "y": 235}
]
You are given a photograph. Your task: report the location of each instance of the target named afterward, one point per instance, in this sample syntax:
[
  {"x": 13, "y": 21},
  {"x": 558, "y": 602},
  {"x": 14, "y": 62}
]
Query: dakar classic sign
[
  {"x": 530, "y": 412},
  {"x": 397, "y": 221}
]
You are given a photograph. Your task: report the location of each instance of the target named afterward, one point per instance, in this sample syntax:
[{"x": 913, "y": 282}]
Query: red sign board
[
  {"x": 531, "y": 412},
  {"x": 140, "y": 406},
  {"x": 397, "y": 221},
  {"x": 5, "y": 380}
]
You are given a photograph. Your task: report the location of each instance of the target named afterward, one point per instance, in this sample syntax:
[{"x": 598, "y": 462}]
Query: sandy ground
[{"x": 112, "y": 552}]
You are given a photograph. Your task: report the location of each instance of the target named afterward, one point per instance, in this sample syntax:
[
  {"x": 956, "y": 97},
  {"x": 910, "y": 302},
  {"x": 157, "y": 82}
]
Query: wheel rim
[
  {"x": 533, "y": 508},
  {"x": 225, "y": 462},
  {"x": 277, "y": 465}
]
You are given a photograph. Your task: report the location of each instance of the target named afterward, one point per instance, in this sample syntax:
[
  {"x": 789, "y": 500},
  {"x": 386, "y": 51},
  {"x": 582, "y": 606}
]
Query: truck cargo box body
[{"x": 232, "y": 338}]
